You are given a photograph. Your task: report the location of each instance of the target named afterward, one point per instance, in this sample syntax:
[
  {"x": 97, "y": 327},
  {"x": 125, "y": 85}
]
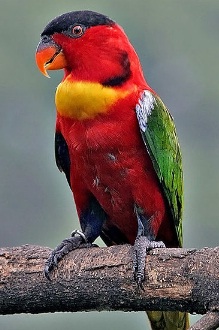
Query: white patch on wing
[{"x": 144, "y": 108}]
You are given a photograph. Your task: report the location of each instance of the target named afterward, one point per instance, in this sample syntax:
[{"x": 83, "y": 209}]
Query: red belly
[
  {"x": 110, "y": 161},
  {"x": 119, "y": 180}
]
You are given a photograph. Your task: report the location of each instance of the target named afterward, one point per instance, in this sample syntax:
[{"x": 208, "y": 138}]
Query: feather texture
[{"x": 159, "y": 135}]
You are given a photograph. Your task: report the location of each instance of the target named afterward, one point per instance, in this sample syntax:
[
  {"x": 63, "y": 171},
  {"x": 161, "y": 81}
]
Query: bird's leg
[
  {"x": 77, "y": 240},
  {"x": 141, "y": 247},
  {"x": 144, "y": 242}
]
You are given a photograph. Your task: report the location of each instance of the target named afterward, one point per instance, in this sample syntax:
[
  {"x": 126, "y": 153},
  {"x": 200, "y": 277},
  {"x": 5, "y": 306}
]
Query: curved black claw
[
  {"x": 78, "y": 240},
  {"x": 141, "y": 247}
]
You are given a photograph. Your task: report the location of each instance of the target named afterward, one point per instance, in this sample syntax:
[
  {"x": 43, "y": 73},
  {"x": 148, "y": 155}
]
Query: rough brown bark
[
  {"x": 102, "y": 279},
  {"x": 209, "y": 321}
]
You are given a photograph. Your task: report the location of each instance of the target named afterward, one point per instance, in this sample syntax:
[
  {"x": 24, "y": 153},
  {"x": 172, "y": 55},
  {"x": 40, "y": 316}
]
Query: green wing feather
[{"x": 159, "y": 135}]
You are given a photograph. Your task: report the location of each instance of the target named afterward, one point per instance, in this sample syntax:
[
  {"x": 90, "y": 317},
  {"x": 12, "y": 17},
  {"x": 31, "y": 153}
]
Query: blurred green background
[{"x": 177, "y": 42}]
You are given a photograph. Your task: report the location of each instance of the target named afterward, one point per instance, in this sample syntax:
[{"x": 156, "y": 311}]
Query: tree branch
[
  {"x": 209, "y": 321},
  {"x": 102, "y": 279}
]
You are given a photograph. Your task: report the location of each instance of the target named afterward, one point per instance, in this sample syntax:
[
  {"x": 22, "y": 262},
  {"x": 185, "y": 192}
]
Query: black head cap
[{"x": 85, "y": 17}]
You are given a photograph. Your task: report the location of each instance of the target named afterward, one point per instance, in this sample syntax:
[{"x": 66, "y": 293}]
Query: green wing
[{"x": 160, "y": 138}]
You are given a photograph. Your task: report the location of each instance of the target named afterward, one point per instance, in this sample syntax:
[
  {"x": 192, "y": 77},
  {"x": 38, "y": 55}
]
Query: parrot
[{"x": 116, "y": 143}]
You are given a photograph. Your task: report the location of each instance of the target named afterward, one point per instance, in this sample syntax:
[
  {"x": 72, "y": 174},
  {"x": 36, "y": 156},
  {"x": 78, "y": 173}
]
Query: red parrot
[{"x": 116, "y": 143}]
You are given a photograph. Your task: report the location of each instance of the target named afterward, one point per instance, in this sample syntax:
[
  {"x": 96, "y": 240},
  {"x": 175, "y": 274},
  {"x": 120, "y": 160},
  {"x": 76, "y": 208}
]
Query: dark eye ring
[{"x": 77, "y": 31}]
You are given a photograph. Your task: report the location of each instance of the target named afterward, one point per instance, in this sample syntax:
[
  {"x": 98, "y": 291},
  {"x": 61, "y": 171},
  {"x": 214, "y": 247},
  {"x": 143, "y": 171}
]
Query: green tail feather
[{"x": 168, "y": 320}]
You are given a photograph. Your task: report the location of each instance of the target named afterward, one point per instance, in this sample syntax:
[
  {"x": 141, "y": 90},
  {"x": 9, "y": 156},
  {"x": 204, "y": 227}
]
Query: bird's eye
[{"x": 77, "y": 31}]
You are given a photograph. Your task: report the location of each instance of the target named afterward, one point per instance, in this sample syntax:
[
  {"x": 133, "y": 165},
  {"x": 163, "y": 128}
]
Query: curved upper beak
[{"x": 49, "y": 56}]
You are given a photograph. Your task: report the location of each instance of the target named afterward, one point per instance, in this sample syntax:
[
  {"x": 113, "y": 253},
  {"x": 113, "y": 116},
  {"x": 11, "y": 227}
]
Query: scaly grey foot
[
  {"x": 141, "y": 247},
  {"x": 77, "y": 240}
]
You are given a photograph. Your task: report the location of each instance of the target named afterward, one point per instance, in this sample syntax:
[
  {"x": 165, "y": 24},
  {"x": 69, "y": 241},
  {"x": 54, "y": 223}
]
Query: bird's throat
[{"x": 84, "y": 100}]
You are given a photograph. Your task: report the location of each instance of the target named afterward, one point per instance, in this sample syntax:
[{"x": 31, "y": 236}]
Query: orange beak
[{"x": 49, "y": 56}]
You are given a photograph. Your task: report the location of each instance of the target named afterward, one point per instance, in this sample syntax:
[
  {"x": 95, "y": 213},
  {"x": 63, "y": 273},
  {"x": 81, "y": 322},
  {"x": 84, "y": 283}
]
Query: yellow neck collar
[{"x": 84, "y": 100}]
